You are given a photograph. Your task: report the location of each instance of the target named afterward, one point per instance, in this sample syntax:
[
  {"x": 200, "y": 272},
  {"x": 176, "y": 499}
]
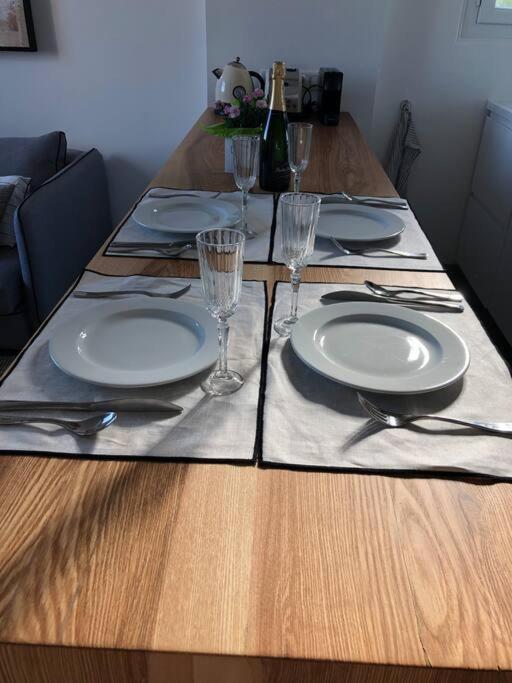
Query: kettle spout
[{"x": 217, "y": 72}]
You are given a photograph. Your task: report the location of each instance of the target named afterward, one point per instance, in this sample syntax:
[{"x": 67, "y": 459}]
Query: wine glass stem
[
  {"x": 296, "y": 182},
  {"x": 244, "y": 211},
  {"x": 223, "y": 331},
  {"x": 295, "y": 279}
]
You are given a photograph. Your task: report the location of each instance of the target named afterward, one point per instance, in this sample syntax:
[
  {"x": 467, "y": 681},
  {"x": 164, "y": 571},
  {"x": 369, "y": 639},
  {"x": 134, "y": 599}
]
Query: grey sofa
[{"x": 58, "y": 227}]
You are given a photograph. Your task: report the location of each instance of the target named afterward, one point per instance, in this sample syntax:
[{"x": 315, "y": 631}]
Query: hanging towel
[{"x": 404, "y": 150}]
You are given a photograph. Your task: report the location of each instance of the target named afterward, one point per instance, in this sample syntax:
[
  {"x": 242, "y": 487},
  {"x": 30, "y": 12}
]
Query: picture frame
[{"x": 16, "y": 26}]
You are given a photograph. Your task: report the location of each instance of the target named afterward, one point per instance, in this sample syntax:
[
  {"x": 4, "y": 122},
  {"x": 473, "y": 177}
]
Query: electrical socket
[{"x": 310, "y": 78}]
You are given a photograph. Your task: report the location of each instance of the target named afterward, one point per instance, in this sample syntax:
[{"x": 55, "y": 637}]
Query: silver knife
[
  {"x": 148, "y": 245},
  {"x": 126, "y": 405},
  {"x": 163, "y": 194},
  {"x": 84, "y": 294},
  {"x": 345, "y": 295},
  {"x": 374, "y": 203}
]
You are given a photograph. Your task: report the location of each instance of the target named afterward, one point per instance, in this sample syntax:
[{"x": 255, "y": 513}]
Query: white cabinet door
[
  {"x": 480, "y": 251},
  {"x": 492, "y": 181},
  {"x": 502, "y": 298}
]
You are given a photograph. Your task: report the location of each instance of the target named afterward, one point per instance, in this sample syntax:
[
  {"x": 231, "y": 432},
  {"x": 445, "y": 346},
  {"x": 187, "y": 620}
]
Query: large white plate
[
  {"x": 358, "y": 223},
  {"x": 136, "y": 343},
  {"x": 186, "y": 214},
  {"x": 380, "y": 348}
]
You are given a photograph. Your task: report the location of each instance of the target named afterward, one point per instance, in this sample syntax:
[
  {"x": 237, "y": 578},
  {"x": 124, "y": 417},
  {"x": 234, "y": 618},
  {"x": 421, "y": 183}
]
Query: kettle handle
[{"x": 259, "y": 78}]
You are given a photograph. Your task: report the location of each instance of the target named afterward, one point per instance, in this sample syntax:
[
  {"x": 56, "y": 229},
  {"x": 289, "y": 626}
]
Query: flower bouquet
[{"x": 244, "y": 116}]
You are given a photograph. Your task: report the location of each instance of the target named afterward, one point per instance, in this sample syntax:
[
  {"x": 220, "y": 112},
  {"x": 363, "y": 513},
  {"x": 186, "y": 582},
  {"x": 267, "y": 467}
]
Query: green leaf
[
  {"x": 212, "y": 127},
  {"x": 225, "y": 130}
]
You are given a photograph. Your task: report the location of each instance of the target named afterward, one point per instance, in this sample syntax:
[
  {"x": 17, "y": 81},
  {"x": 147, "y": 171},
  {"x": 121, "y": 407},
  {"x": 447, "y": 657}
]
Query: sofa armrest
[
  {"x": 59, "y": 228},
  {"x": 72, "y": 155}
]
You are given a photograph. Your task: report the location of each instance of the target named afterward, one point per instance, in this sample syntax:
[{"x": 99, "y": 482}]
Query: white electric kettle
[{"x": 234, "y": 76}]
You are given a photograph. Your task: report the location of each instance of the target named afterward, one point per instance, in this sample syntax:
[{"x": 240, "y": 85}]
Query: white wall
[
  {"x": 390, "y": 50},
  {"x": 448, "y": 81},
  {"x": 126, "y": 76},
  {"x": 304, "y": 33},
  {"x": 130, "y": 78}
]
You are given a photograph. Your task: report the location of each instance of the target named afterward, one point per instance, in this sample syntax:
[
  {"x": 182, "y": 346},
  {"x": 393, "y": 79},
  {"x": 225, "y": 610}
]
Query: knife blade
[
  {"x": 375, "y": 203},
  {"x": 126, "y": 405},
  {"x": 345, "y": 295},
  {"x": 149, "y": 245}
]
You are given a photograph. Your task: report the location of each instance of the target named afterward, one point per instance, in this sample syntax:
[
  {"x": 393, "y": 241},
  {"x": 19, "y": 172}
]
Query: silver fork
[
  {"x": 397, "y": 420},
  {"x": 368, "y": 251},
  {"x": 84, "y": 294},
  {"x": 86, "y": 427}
]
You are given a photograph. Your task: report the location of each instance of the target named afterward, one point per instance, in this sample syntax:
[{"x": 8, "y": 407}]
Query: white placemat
[
  {"x": 209, "y": 428},
  {"x": 312, "y": 421},
  {"x": 260, "y": 212},
  {"x": 413, "y": 239}
]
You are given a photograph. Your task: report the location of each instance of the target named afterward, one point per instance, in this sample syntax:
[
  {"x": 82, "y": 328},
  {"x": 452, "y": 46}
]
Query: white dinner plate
[
  {"x": 358, "y": 223},
  {"x": 186, "y": 214},
  {"x": 380, "y": 348},
  {"x": 136, "y": 343}
]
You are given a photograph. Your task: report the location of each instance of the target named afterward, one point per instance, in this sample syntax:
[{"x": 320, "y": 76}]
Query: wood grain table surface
[{"x": 202, "y": 572}]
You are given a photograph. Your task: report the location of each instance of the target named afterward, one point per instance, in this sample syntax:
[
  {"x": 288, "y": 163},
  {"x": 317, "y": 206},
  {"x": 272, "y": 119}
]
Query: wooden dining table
[{"x": 126, "y": 571}]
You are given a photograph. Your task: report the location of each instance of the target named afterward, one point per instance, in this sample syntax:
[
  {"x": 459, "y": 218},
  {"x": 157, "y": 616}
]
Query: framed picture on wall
[{"x": 16, "y": 26}]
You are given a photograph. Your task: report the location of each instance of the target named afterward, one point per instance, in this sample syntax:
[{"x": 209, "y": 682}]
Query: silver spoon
[
  {"x": 383, "y": 291},
  {"x": 376, "y": 202},
  {"x": 86, "y": 427}
]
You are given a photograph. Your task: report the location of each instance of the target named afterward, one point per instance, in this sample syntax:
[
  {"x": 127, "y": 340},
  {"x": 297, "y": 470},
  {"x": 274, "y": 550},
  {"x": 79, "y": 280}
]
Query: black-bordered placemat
[
  {"x": 412, "y": 239},
  {"x": 313, "y": 423},
  {"x": 238, "y": 416},
  {"x": 258, "y": 250}
]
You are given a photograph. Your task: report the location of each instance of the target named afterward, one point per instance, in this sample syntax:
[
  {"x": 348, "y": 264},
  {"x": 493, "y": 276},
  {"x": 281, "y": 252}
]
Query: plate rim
[
  {"x": 400, "y": 223},
  {"x": 173, "y": 229},
  {"x": 80, "y": 319},
  {"x": 377, "y": 308}
]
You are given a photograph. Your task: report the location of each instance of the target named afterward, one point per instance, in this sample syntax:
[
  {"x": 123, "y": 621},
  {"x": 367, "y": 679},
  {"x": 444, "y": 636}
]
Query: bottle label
[{"x": 282, "y": 172}]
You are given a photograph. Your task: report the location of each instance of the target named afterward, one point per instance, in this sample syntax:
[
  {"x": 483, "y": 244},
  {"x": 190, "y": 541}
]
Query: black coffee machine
[{"x": 331, "y": 83}]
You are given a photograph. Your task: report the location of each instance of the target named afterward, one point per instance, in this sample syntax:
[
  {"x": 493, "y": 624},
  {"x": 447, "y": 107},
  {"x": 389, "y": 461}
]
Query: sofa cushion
[
  {"x": 13, "y": 190},
  {"x": 11, "y": 284},
  {"x": 37, "y": 158}
]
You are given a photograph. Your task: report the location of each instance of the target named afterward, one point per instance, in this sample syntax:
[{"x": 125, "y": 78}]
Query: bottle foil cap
[{"x": 278, "y": 70}]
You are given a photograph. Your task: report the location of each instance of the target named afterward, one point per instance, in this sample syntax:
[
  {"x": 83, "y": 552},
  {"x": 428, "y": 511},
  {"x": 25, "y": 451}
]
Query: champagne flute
[
  {"x": 299, "y": 146},
  {"x": 245, "y": 149},
  {"x": 221, "y": 253},
  {"x": 299, "y": 218}
]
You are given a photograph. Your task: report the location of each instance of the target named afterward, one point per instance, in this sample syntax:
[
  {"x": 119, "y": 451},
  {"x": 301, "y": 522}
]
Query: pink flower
[
  {"x": 227, "y": 109},
  {"x": 258, "y": 93},
  {"x": 261, "y": 104},
  {"x": 234, "y": 112},
  {"x": 247, "y": 98}
]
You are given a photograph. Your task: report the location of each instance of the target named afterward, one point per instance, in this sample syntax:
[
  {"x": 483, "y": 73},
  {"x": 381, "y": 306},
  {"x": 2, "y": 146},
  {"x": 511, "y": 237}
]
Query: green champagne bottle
[{"x": 274, "y": 167}]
